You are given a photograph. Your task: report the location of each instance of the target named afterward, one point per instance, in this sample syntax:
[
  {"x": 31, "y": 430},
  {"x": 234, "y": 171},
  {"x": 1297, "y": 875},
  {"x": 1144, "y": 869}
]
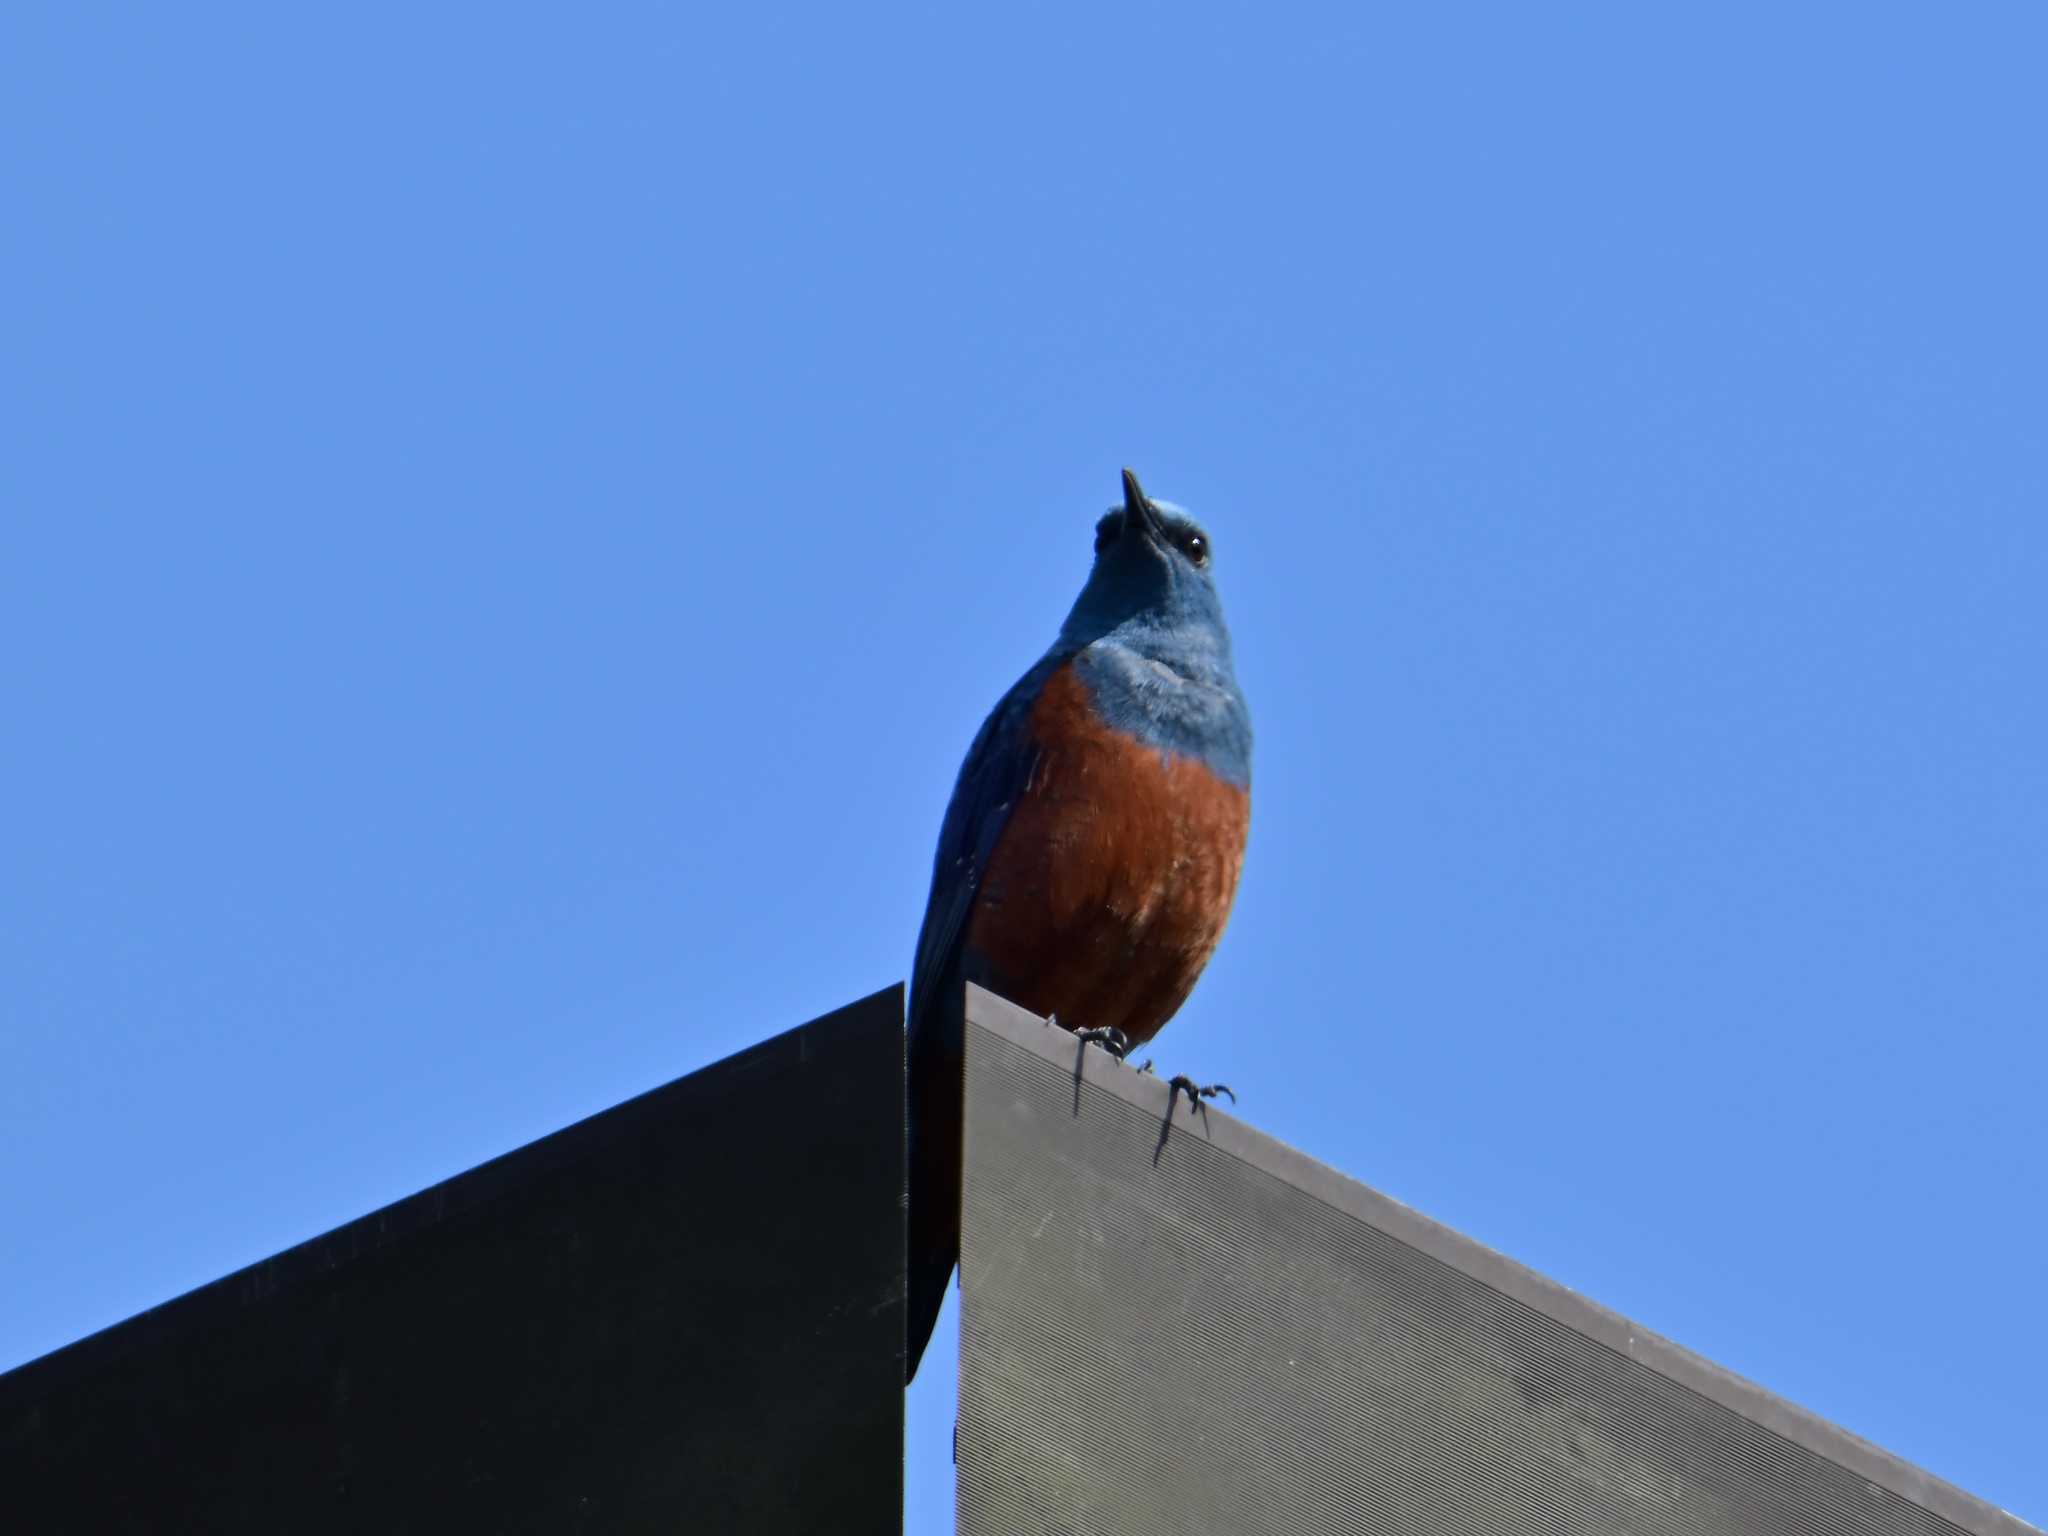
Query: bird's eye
[
  {"x": 1196, "y": 548},
  {"x": 1106, "y": 532}
]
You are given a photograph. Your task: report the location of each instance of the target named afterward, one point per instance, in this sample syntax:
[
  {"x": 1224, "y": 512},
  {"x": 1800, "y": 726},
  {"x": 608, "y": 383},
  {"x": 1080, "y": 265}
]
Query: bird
[{"x": 1091, "y": 850}]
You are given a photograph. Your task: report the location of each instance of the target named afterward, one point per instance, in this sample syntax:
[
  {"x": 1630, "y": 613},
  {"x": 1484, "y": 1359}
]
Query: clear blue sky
[{"x": 512, "y": 518}]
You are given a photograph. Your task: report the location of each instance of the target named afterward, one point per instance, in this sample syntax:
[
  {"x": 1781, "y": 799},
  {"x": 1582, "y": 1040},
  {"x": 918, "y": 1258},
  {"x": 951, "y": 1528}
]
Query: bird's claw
[
  {"x": 1180, "y": 1083},
  {"x": 1114, "y": 1041}
]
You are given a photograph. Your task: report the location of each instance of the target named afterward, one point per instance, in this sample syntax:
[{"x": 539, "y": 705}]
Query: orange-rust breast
[{"x": 1111, "y": 882}]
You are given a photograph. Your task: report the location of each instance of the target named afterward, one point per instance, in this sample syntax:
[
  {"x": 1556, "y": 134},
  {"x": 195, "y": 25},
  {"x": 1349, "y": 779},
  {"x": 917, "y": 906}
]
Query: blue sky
[{"x": 514, "y": 516}]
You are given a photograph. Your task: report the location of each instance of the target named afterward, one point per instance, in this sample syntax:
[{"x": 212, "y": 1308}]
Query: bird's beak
[{"x": 1138, "y": 512}]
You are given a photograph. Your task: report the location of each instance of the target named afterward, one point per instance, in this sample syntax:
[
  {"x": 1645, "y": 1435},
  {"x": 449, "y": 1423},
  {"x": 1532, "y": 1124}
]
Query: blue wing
[
  {"x": 997, "y": 769},
  {"x": 994, "y": 776}
]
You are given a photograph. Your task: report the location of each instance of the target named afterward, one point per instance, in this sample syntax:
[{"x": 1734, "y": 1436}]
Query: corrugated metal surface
[{"x": 1214, "y": 1334}]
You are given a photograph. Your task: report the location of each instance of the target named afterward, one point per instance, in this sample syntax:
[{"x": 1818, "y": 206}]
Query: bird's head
[{"x": 1153, "y": 582}]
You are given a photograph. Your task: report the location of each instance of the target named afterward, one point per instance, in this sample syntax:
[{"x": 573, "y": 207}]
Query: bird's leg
[
  {"x": 1180, "y": 1083},
  {"x": 1114, "y": 1041}
]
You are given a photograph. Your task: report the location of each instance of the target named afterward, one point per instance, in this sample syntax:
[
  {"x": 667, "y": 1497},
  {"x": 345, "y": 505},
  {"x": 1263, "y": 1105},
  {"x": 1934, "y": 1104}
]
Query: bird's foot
[
  {"x": 1180, "y": 1083},
  {"x": 1114, "y": 1041},
  {"x": 1197, "y": 1094}
]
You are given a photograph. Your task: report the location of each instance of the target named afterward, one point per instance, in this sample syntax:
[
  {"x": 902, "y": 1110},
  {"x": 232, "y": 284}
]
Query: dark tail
[
  {"x": 929, "y": 1274},
  {"x": 934, "y": 1245}
]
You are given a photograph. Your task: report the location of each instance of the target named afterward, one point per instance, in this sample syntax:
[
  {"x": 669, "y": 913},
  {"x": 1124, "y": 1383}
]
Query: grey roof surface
[{"x": 1195, "y": 1328}]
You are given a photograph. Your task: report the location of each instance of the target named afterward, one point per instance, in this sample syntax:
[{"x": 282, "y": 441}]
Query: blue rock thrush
[{"x": 1092, "y": 847}]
